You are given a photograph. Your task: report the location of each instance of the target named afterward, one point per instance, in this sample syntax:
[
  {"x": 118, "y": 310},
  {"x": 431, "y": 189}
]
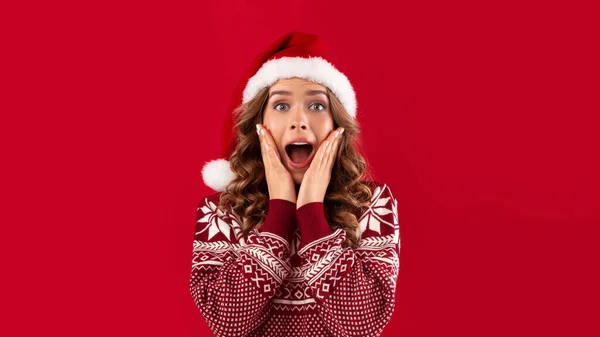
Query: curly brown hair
[{"x": 349, "y": 190}]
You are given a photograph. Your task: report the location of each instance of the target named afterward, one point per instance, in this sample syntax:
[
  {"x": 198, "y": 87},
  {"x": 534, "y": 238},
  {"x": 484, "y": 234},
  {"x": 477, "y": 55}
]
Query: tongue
[{"x": 299, "y": 153}]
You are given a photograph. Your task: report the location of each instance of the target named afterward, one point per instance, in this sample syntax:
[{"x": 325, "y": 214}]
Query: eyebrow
[{"x": 287, "y": 93}]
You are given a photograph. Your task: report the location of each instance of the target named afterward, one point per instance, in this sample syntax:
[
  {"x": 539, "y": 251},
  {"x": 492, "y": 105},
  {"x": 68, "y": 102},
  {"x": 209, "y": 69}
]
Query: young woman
[{"x": 296, "y": 241}]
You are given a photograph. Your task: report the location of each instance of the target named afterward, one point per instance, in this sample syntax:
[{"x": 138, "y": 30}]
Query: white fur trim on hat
[
  {"x": 315, "y": 69},
  {"x": 217, "y": 174}
]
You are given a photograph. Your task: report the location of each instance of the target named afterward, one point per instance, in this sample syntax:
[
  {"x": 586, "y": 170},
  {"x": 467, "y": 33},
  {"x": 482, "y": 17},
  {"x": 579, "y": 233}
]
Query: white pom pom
[{"x": 217, "y": 174}]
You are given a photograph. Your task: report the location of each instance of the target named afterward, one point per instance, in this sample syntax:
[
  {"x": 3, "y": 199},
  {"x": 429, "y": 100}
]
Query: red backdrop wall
[{"x": 481, "y": 118}]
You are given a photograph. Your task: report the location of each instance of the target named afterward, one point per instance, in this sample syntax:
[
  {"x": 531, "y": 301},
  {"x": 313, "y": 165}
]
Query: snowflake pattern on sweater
[{"x": 278, "y": 282}]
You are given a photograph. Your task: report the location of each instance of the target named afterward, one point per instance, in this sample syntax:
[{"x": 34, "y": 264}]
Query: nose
[
  {"x": 299, "y": 125},
  {"x": 299, "y": 120}
]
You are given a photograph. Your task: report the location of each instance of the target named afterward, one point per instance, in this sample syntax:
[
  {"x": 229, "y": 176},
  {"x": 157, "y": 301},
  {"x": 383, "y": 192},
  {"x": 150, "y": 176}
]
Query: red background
[{"x": 481, "y": 117}]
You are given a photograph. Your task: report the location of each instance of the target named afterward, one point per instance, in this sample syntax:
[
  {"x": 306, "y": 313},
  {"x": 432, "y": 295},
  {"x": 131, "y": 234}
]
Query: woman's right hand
[{"x": 279, "y": 179}]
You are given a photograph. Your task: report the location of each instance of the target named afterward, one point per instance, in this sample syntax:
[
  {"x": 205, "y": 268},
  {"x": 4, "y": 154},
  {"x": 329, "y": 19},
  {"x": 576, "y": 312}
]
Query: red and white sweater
[{"x": 292, "y": 277}]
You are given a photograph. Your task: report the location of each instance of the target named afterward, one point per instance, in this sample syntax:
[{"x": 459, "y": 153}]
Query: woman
[{"x": 295, "y": 242}]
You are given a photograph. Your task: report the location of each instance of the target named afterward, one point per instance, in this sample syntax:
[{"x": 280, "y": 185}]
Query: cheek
[
  {"x": 273, "y": 123},
  {"x": 323, "y": 127},
  {"x": 323, "y": 132},
  {"x": 276, "y": 132}
]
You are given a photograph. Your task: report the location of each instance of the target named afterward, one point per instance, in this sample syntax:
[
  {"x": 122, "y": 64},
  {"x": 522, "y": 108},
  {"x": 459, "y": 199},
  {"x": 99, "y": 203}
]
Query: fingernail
[
  {"x": 336, "y": 134},
  {"x": 262, "y": 131},
  {"x": 326, "y": 143},
  {"x": 257, "y": 127},
  {"x": 342, "y": 131}
]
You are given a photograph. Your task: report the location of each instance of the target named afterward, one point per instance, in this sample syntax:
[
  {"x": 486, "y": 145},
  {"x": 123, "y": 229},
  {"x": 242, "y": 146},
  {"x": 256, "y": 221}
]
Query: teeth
[{"x": 299, "y": 143}]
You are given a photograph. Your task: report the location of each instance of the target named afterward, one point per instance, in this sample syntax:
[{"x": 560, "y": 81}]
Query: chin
[{"x": 297, "y": 177}]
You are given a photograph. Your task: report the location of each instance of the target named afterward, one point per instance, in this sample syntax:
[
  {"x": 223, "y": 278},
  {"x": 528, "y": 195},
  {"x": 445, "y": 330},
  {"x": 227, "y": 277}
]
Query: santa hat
[{"x": 295, "y": 54}]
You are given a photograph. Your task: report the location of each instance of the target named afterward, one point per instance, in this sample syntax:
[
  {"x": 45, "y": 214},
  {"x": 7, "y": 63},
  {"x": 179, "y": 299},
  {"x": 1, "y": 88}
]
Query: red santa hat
[{"x": 296, "y": 54}]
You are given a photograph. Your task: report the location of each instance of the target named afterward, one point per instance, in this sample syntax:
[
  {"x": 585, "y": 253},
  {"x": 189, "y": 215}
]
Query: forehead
[{"x": 291, "y": 84}]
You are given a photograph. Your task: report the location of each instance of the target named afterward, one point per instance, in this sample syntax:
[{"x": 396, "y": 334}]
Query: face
[{"x": 297, "y": 111}]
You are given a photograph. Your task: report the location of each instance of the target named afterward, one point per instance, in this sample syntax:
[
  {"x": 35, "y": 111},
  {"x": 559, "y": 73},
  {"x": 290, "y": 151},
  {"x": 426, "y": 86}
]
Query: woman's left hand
[{"x": 317, "y": 176}]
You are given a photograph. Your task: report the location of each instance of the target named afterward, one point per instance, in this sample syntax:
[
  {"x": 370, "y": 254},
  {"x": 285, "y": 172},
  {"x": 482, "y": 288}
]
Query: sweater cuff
[
  {"x": 312, "y": 222},
  {"x": 281, "y": 218}
]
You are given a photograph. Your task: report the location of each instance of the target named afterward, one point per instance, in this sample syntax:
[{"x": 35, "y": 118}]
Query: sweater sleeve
[
  {"x": 232, "y": 278},
  {"x": 353, "y": 288}
]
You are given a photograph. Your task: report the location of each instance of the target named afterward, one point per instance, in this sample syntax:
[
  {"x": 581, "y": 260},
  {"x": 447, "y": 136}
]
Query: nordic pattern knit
[{"x": 292, "y": 277}]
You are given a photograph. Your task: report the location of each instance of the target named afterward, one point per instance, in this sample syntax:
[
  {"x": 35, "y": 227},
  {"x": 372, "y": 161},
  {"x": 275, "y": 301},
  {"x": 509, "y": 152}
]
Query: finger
[
  {"x": 266, "y": 150},
  {"x": 327, "y": 150},
  {"x": 328, "y": 145},
  {"x": 318, "y": 160},
  {"x": 334, "y": 148},
  {"x": 263, "y": 150},
  {"x": 269, "y": 140},
  {"x": 273, "y": 152},
  {"x": 268, "y": 162}
]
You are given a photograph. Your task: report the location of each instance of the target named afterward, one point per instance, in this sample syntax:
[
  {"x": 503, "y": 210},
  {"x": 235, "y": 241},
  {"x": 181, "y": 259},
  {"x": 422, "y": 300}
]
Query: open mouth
[{"x": 299, "y": 156}]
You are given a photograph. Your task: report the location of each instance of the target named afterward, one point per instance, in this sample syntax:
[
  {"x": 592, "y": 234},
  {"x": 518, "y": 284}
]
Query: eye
[
  {"x": 276, "y": 107},
  {"x": 322, "y": 106}
]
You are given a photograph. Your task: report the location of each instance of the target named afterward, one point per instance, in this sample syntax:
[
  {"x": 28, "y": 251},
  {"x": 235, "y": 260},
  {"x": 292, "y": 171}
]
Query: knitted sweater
[{"x": 292, "y": 277}]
